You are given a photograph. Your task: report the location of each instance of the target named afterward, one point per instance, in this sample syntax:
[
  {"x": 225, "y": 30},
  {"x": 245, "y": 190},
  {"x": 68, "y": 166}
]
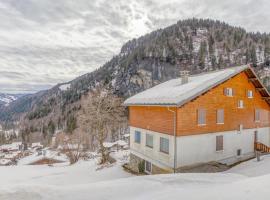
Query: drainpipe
[{"x": 174, "y": 135}]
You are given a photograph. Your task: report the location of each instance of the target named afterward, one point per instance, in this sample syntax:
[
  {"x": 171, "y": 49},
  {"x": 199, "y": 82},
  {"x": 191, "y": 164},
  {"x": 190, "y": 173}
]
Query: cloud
[{"x": 43, "y": 43}]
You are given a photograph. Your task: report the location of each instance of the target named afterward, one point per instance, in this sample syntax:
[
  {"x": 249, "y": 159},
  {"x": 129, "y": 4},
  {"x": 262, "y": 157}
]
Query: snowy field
[{"x": 82, "y": 181}]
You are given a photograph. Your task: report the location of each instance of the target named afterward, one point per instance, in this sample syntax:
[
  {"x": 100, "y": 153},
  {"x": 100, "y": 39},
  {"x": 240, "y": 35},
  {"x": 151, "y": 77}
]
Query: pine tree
[
  {"x": 253, "y": 55},
  {"x": 202, "y": 54}
]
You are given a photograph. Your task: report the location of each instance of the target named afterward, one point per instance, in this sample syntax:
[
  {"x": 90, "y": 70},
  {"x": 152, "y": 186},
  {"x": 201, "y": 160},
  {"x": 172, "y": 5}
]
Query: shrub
[{"x": 141, "y": 166}]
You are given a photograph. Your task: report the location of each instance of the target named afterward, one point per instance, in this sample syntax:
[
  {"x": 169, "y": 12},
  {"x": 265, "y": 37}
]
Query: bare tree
[
  {"x": 102, "y": 113},
  {"x": 72, "y": 145}
]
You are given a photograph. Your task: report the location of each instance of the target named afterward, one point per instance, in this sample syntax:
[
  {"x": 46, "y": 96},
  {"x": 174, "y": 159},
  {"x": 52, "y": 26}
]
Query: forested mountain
[
  {"x": 196, "y": 45},
  {"x": 6, "y": 99}
]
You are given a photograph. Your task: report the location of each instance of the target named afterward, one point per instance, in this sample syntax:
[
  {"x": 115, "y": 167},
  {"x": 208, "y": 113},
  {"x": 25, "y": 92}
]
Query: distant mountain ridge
[
  {"x": 6, "y": 99},
  {"x": 196, "y": 45}
]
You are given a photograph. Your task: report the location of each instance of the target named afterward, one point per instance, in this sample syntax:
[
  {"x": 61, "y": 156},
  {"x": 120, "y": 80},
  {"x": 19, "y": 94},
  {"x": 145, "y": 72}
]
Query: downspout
[{"x": 175, "y": 143}]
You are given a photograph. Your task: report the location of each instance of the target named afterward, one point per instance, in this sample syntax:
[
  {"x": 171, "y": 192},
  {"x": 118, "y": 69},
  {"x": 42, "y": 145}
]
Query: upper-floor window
[
  {"x": 240, "y": 104},
  {"x": 201, "y": 116},
  {"x": 220, "y": 116},
  {"x": 257, "y": 115},
  {"x": 164, "y": 145},
  {"x": 228, "y": 92},
  {"x": 138, "y": 137},
  {"x": 250, "y": 94},
  {"x": 149, "y": 140}
]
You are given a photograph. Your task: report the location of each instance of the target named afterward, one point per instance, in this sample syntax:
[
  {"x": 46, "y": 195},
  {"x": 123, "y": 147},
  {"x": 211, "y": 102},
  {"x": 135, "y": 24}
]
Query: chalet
[{"x": 218, "y": 116}]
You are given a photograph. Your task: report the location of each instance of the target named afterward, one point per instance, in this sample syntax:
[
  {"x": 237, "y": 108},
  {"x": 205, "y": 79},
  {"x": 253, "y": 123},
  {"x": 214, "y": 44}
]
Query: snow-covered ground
[{"x": 249, "y": 180}]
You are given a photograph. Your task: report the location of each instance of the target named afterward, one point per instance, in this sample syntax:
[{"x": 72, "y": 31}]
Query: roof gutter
[{"x": 174, "y": 135}]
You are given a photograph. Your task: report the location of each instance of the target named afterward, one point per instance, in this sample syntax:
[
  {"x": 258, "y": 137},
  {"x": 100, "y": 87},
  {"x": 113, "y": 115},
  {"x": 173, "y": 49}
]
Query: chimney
[{"x": 184, "y": 76}]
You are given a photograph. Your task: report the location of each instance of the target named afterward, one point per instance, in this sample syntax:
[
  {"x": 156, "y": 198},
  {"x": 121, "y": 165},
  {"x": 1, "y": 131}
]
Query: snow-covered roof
[
  {"x": 111, "y": 144},
  {"x": 11, "y": 147},
  {"x": 173, "y": 92}
]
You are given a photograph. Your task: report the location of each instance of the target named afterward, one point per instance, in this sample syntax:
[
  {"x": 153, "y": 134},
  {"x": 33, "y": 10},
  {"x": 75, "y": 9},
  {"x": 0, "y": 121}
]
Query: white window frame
[
  {"x": 240, "y": 104},
  {"x": 201, "y": 117},
  {"x": 167, "y": 139},
  {"x": 250, "y": 94},
  {"x": 145, "y": 168},
  {"x": 218, "y": 119},
  {"x": 228, "y": 92},
  {"x": 147, "y": 135}
]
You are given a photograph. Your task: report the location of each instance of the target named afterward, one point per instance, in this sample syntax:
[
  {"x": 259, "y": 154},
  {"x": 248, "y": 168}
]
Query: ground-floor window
[
  {"x": 239, "y": 151},
  {"x": 219, "y": 143},
  {"x": 148, "y": 167},
  {"x": 164, "y": 145}
]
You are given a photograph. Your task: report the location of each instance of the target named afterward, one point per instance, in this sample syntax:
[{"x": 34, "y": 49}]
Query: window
[
  {"x": 138, "y": 137},
  {"x": 240, "y": 104},
  {"x": 228, "y": 92},
  {"x": 149, "y": 140},
  {"x": 239, "y": 151},
  {"x": 164, "y": 145},
  {"x": 148, "y": 167},
  {"x": 201, "y": 116},
  {"x": 257, "y": 115},
  {"x": 219, "y": 143},
  {"x": 220, "y": 116},
  {"x": 250, "y": 94}
]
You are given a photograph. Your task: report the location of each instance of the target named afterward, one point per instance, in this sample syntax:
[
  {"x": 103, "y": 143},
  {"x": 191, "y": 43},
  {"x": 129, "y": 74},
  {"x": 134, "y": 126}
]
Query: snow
[
  {"x": 7, "y": 99},
  {"x": 173, "y": 92},
  {"x": 108, "y": 144},
  {"x": 11, "y": 147},
  {"x": 247, "y": 181},
  {"x": 64, "y": 87},
  {"x": 111, "y": 144},
  {"x": 45, "y": 154},
  {"x": 4, "y": 161},
  {"x": 127, "y": 135},
  {"x": 36, "y": 144}
]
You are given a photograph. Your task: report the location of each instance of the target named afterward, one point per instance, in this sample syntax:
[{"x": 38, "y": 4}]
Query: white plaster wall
[
  {"x": 198, "y": 148},
  {"x": 202, "y": 148},
  {"x": 152, "y": 154}
]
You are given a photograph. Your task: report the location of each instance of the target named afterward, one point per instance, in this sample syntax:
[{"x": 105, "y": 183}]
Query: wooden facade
[{"x": 160, "y": 119}]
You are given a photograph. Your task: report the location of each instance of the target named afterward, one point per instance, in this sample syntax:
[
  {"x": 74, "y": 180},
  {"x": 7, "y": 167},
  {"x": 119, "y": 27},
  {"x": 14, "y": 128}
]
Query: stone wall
[{"x": 134, "y": 165}]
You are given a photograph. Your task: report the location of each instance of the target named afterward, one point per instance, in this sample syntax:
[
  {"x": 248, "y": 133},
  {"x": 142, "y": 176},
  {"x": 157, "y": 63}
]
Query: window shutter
[
  {"x": 233, "y": 92},
  {"x": 257, "y": 115},
  {"x": 164, "y": 145},
  {"x": 149, "y": 141},
  {"x": 220, "y": 116},
  {"x": 201, "y": 116},
  {"x": 225, "y": 91},
  {"x": 219, "y": 143}
]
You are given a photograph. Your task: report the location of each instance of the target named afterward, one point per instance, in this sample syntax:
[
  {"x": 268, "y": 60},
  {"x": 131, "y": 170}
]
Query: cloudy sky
[{"x": 45, "y": 42}]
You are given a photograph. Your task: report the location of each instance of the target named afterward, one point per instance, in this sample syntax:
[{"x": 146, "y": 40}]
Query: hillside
[{"x": 194, "y": 44}]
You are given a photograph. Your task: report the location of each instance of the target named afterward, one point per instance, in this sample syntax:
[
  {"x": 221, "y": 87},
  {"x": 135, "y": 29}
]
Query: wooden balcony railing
[{"x": 261, "y": 147}]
